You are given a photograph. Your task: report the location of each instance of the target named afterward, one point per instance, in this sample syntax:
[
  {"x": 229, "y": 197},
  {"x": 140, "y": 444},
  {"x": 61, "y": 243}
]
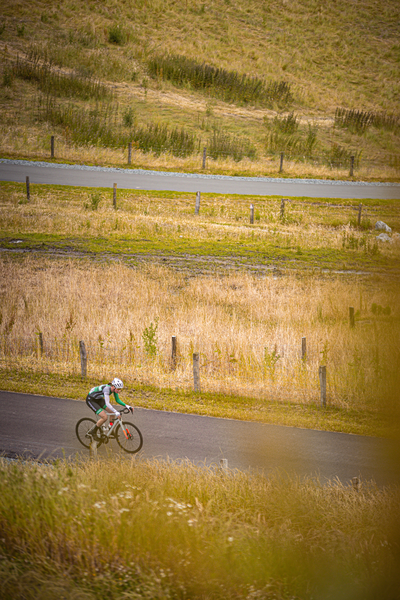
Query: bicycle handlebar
[{"x": 123, "y": 409}]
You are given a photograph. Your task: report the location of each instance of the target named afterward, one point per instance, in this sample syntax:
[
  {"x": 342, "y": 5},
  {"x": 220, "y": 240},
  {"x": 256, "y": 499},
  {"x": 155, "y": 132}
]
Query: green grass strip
[{"x": 207, "y": 404}]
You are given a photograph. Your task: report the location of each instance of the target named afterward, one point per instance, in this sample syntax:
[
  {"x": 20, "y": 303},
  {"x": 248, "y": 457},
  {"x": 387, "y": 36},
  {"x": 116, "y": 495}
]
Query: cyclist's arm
[
  {"x": 107, "y": 401},
  {"x": 118, "y": 399}
]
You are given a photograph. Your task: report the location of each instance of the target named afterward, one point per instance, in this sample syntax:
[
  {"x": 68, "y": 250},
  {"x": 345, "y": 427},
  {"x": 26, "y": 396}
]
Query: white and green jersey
[{"x": 101, "y": 396}]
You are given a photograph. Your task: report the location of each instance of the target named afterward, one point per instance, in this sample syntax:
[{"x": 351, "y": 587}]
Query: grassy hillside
[{"x": 98, "y": 76}]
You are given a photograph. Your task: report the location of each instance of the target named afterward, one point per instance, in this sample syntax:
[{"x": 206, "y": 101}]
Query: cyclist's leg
[
  {"x": 99, "y": 411},
  {"x": 103, "y": 418}
]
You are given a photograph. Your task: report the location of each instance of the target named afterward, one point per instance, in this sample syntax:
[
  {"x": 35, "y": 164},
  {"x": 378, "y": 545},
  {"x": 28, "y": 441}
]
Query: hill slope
[{"x": 335, "y": 55}]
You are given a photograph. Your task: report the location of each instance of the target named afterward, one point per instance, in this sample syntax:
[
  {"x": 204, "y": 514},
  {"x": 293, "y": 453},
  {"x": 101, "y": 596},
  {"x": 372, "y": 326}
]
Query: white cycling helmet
[{"x": 117, "y": 383}]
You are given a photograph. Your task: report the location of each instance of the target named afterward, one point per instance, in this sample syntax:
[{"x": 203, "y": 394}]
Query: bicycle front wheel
[
  {"x": 81, "y": 429},
  {"x": 129, "y": 437}
]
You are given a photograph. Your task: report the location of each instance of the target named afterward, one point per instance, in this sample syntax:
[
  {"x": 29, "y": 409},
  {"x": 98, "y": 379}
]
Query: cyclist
[{"x": 98, "y": 400}]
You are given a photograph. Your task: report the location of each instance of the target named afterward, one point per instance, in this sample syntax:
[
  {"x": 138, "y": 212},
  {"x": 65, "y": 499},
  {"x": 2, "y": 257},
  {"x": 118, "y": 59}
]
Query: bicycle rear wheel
[
  {"x": 81, "y": 429},
  {"x": 129, "y": 437}
]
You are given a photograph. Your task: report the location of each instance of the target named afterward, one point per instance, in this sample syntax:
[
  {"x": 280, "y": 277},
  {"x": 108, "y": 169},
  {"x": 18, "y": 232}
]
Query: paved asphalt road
[
  {"x": 42, "y": 426},
  {"x": 180, "y": 182}
]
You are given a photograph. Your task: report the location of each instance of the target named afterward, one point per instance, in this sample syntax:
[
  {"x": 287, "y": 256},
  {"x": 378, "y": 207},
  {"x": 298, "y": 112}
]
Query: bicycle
[{"x": 128, "y": 436}]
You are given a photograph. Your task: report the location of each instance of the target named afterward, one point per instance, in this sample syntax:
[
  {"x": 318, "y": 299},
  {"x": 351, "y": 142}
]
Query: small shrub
[
  {"x": 59, "y": 84},
  {"x": 150, "y": 339},
  {"x": 365, "y": 224},
  {"x": 377, "y": 309},
  {"x": 385, "y": 121},
  {"x": 354, "y": 120},
  {"x": 221, "y": 144},
  {"x": 337, "y": 157},
  {"x": 159, "y": 138},
  {"x": 95, "y": 200},
  {"x": 8, "y": 76},
  {"x": 117, "y": 35},
  {"x": 287, "y": 125},
  {"x": 358, "y": 121},
  {"x": 270, "y": 361},
  {"x": 129, "y": 117},
  {"x": 286, "y": 136}
]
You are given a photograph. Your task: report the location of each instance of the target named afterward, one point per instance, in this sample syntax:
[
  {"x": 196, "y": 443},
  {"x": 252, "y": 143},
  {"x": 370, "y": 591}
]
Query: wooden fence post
[
  {"x": 356, "y": 483},
  {"x": 204, "y": 156},
  {"x": 28, "y": 193},
  {"x": 115, "y": 195},
  {"x": 41, "y": 343},
  {"x": 351, "y": 315},
  {"x": 351, "y": 166},
  {"x": 197, "y": 209},
  {"x": 322, "y": 382},
  {"x": 196, "y": 372},
  {"x": 359, "y": 215},
  {"x": 82, "y": 351},
  {"x": 303, "y": 348},
  {"x": 283, "y": 208},
  {"x": 251, "y": 214},
  {"x": 281, "y": 162},
  {"x": 52, "y": 146},
  {"x": 173, "y": 352},
  {"x": 129, "y": 153}
]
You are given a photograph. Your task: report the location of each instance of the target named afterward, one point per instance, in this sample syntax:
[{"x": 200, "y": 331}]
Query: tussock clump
[{"x": 231, "y": 86}]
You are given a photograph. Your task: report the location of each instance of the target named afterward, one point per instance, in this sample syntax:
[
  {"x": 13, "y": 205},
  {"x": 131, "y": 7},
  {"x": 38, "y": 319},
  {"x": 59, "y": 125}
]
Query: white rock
[
  {"x": 381, "y": 226},
  {"x": 383, "y": 237}
]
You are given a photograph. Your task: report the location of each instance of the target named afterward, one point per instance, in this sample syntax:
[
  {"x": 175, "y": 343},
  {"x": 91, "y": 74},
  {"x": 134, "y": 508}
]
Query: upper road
[
  {"x": 82, "y": 175},
  {"x": 42, "y": 426}
]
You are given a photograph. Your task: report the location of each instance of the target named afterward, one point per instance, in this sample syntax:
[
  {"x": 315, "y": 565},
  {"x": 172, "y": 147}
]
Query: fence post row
[
  {"x": 115, "y": 195},
  {"x": 322, "y": 381},
  {"x": 28, "y": 193},
  {"x": 129, "y": 153},
  {"x": 196, "y": 372},
  {"x": 82, "y": 351},
  {"x": 251, "y": 214},
  {"x": 197, "y": 208},
  {"x": 196, "y": 362},
  {"x": 52, "y": 146}
]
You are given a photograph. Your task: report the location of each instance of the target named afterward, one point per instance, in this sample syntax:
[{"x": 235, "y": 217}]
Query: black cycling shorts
[{"x": 95, "y": 405}]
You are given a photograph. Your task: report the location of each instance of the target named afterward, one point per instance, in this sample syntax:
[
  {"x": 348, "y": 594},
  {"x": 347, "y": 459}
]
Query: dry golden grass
[
  {"x": 248, "y": 330},
  {"x": 149, "y": 529}
]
